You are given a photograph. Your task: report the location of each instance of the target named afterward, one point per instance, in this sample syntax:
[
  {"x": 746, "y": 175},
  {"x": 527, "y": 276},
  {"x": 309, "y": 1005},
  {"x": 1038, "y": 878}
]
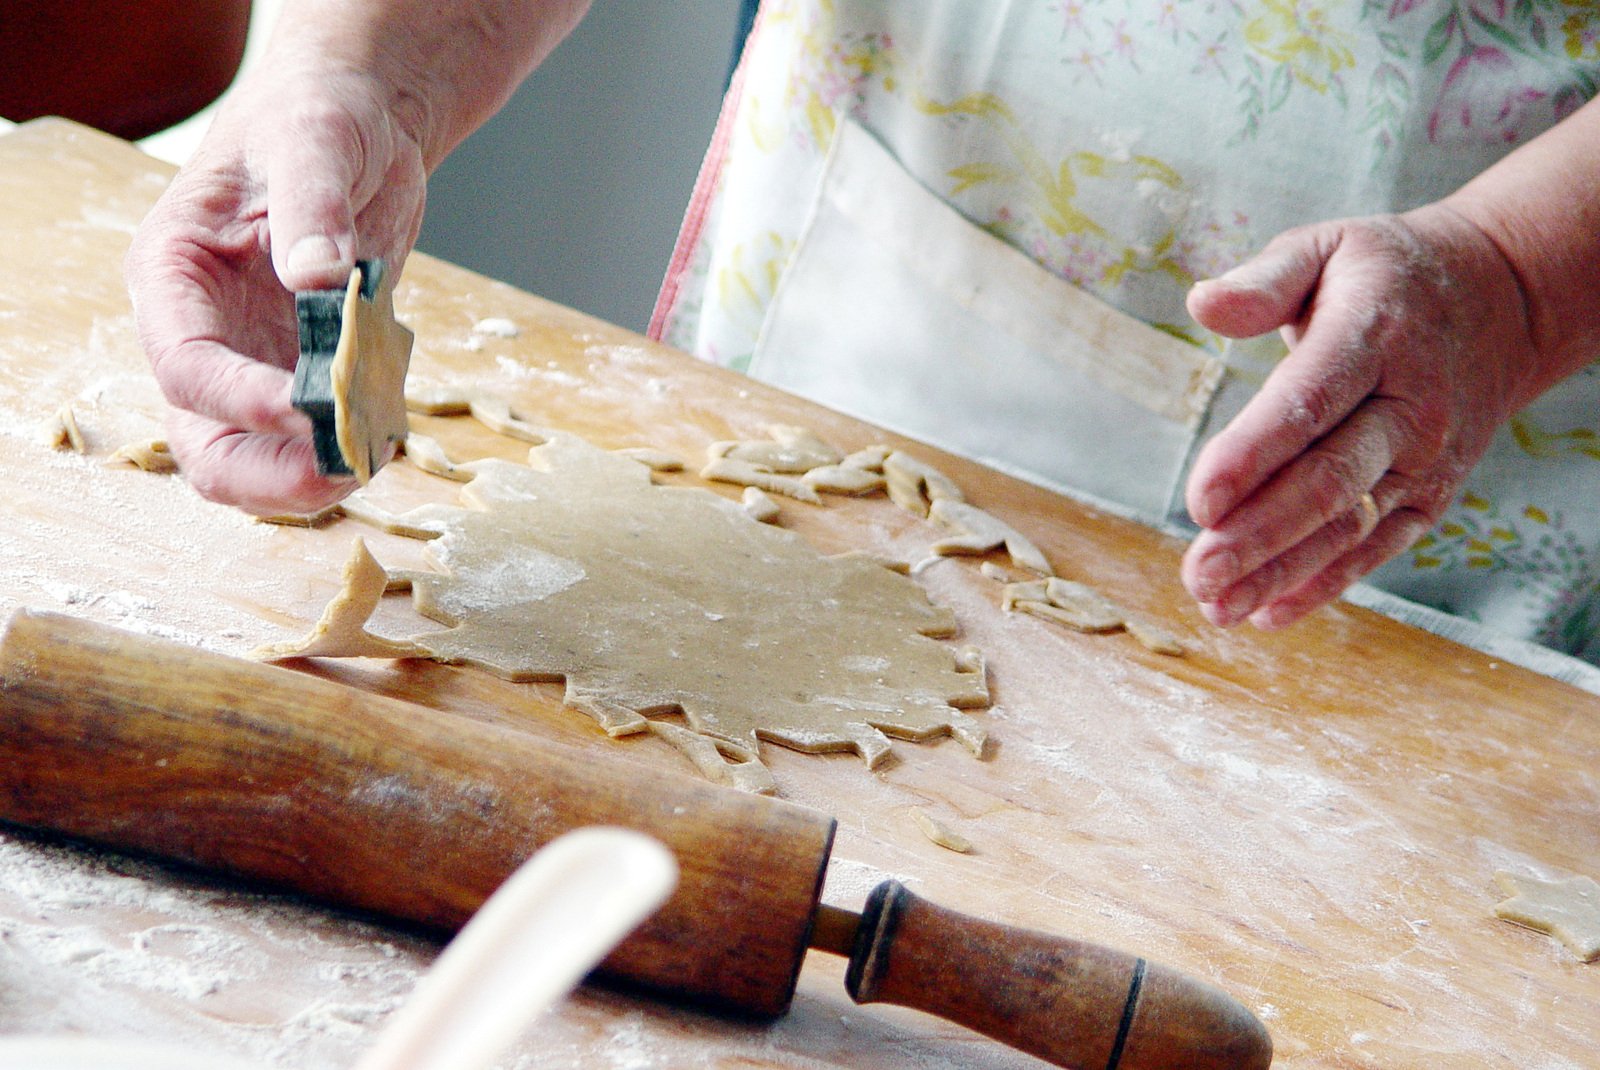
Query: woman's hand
[
  {"x": 1410, "y": 343},
  {"x": 318, "y": 157},
  {"x": 298, "y": 176}
]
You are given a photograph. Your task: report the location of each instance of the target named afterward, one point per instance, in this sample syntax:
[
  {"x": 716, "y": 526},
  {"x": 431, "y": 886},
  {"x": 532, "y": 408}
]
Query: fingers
[
  {"x": 1325, "y": 376},
  {"x": 261, "y": 473},
  {"x": 313, "y": 175},
  {"x": 1393, "y": 534},
  {"x": 1319, "y": 487},
  {"x": 1269, "y": 290}
]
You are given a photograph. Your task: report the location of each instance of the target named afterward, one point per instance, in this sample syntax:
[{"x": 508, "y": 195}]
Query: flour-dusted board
[{"x": 1312, "y": 820}]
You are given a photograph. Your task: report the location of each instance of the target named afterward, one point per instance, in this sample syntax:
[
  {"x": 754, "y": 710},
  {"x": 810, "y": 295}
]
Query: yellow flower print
[
  {"x": 1296, "y": 35},
  {"x": 1581, "y": 30},
  {"x": 746, "y": 281},
  {"x": 1535, "y": 441},
  {"x": 1536, "y": 514}
]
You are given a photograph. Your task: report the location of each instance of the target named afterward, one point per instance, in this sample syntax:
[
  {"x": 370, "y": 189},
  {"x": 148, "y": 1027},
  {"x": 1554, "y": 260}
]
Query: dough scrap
[
  {"x": 844, "y": 479},
  {"x": 979, "y": 532},
  {"x": 868, "y": 458},
  {"x": 427, "y": 454},
  {"x": 494, "y": 413},
  {"x": 746, "y": 474},
  {"x": 759, "y": 504},
  {"x": 496, "y": 327},
  {"x": 791, "y": 451},
  {"x": 1568, "y": 910},
  {"x": 342, "y": 630},
  {"x": 648, "y": 599},
  {"x": 914, "y": 485},
  {"x": 1154, "y": 638},
  {"x": 368, "y": 375},
  {"x": 940, "y": 833},
  {"x": 61, "y": 431},
  {"x": 152, "y": 456},
  {"x": 653, "y": 459},
  {"x": 1093, "y": 610},
  {"x": 322, "y": 516},
  {"x": 1084, "y": 609}
]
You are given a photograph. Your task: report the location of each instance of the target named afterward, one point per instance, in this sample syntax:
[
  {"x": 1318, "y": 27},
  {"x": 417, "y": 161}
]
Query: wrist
[{"x": 438, "y": 71}]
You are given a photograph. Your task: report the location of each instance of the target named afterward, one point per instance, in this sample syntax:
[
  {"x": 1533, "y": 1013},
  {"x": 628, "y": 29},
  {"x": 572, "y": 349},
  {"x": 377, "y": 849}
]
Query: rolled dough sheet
[{"x": 649, "y": 599}]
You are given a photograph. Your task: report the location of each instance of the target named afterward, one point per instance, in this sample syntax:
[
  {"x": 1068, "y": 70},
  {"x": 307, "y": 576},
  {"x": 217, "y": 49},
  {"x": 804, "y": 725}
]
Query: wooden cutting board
[{"x": 1311, "y": 819}]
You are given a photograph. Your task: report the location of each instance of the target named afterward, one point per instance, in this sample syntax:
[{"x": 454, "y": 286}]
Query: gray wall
[{"x": 576, "y": 188}]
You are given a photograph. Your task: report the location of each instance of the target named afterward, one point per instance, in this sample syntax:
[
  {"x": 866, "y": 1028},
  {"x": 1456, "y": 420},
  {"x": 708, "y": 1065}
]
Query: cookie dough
[
  {"x": 650, "y": 600},
  {"x": 61, "y": 431},
  {"x": 151, "y": 456},
  {"x": 368, "y": 378},
  {"x": 1568, "y": 910}
]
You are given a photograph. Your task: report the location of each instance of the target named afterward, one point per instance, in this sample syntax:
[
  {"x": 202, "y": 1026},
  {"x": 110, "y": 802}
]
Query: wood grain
[{"x": 1310, "y": 820}]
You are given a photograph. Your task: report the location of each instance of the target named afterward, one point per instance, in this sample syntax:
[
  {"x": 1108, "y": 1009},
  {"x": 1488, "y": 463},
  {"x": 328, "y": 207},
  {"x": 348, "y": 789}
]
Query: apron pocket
[{"x": 897, "y": 310}]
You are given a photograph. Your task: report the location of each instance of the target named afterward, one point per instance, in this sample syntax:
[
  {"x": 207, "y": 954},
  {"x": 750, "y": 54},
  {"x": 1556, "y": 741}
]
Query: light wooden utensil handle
[
  {"x": 1076, "y": 1004},
  {"x": 384, "y": 805}
]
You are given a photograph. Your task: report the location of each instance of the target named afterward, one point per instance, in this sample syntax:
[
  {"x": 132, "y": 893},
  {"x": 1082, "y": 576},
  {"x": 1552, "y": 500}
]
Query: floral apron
[{"x": 1127, "y": 149}]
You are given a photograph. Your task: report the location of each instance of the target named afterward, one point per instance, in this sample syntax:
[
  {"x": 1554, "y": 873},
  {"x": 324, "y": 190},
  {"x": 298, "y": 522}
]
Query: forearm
[
  {"x": 1541, "y": 207},
  {"x": 444, "y": 67}
]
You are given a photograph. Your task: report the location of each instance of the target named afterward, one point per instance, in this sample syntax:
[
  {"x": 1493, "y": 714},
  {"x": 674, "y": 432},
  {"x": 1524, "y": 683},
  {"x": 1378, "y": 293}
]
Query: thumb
[
  {"x": 1266, "y": 292},
  {"x": 311, "y": 187}
]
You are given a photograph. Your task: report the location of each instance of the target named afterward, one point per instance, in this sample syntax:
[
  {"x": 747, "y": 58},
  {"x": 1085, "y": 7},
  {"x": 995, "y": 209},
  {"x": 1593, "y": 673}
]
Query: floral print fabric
[{"x": 1133, "y": 147}]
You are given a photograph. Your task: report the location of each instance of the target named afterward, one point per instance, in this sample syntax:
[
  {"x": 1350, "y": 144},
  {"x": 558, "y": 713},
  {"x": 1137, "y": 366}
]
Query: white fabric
[{"x": 897, "y": 310}]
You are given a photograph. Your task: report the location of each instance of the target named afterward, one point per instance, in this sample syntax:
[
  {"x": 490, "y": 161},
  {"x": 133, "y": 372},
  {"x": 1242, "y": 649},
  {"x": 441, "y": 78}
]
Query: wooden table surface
[{"x": 1311, "y": 819}]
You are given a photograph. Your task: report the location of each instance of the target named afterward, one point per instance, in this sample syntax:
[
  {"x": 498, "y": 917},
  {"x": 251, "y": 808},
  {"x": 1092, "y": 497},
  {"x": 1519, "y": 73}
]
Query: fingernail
[
  {"x": 1271, "y": 618},
  {"x": 311, "y": 253},
  {"x": 1214, "y": 574},
  {"x": 1214, "y": 503}
]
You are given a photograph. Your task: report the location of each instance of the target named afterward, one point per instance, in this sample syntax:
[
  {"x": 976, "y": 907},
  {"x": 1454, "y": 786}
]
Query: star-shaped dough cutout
[
  {"x": 369, "y": 375},
  {"x": 1568, "y": 910}
]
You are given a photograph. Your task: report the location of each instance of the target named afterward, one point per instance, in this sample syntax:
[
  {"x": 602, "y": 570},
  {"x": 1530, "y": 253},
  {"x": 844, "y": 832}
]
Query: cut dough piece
[
  {"x": 745, "y": 474},
  {"x": 494, "y": 413},
  {"x": 940, "y": 833},
  {"x": 342, "y": 630},
  {"x": 913, "y": 485},
  {"x": 368, "y": 378},
  {"x": 759, "y": 504},
  {"x": 1093, "y": 611},
  {"x": 653, "y": 459},
  {"x": 995, "y": 572},
  {"x": 497, "y": 415},
  {"x": 1568, "y": 909},
  {"x": 496, "y": 327},
  {"x": 304, "y": 520},
  {"x": 868, "y": 458},
  {"x": 61, "y": 431},
  {"x": 431, "y": 399},
  {"x": 980, "y": 532},
  {"x": 152, "y": 456},
  {"x": 793, "y": 450},
  {"x": 427, "y": 454},
  {"x": 843, "y": 479},
  {"x": 648, "y": 599},
  {"x": 412, "y": 525},
  {"x": 718, "y": 760},
  {"x": 1154, "y": 638},
  {"x": 1026, "y": 591}
]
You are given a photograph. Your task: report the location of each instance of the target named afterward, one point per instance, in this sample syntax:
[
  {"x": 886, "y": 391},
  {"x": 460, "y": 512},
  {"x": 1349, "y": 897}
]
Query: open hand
[{"x": 1408, "y": 344}]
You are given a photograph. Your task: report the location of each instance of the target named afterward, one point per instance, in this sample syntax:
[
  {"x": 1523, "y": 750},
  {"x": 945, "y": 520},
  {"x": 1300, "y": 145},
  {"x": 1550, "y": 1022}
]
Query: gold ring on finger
[{"x": 1369, "y": 514}]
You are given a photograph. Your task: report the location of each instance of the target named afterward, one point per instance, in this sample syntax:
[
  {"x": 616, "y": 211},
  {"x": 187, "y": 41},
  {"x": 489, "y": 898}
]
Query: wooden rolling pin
[{"x": 418, "y": 814}]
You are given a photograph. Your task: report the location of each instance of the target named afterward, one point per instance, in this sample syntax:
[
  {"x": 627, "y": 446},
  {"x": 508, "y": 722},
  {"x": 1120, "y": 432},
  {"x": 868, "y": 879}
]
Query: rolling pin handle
[{"x": 1074, "y": 1004}]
